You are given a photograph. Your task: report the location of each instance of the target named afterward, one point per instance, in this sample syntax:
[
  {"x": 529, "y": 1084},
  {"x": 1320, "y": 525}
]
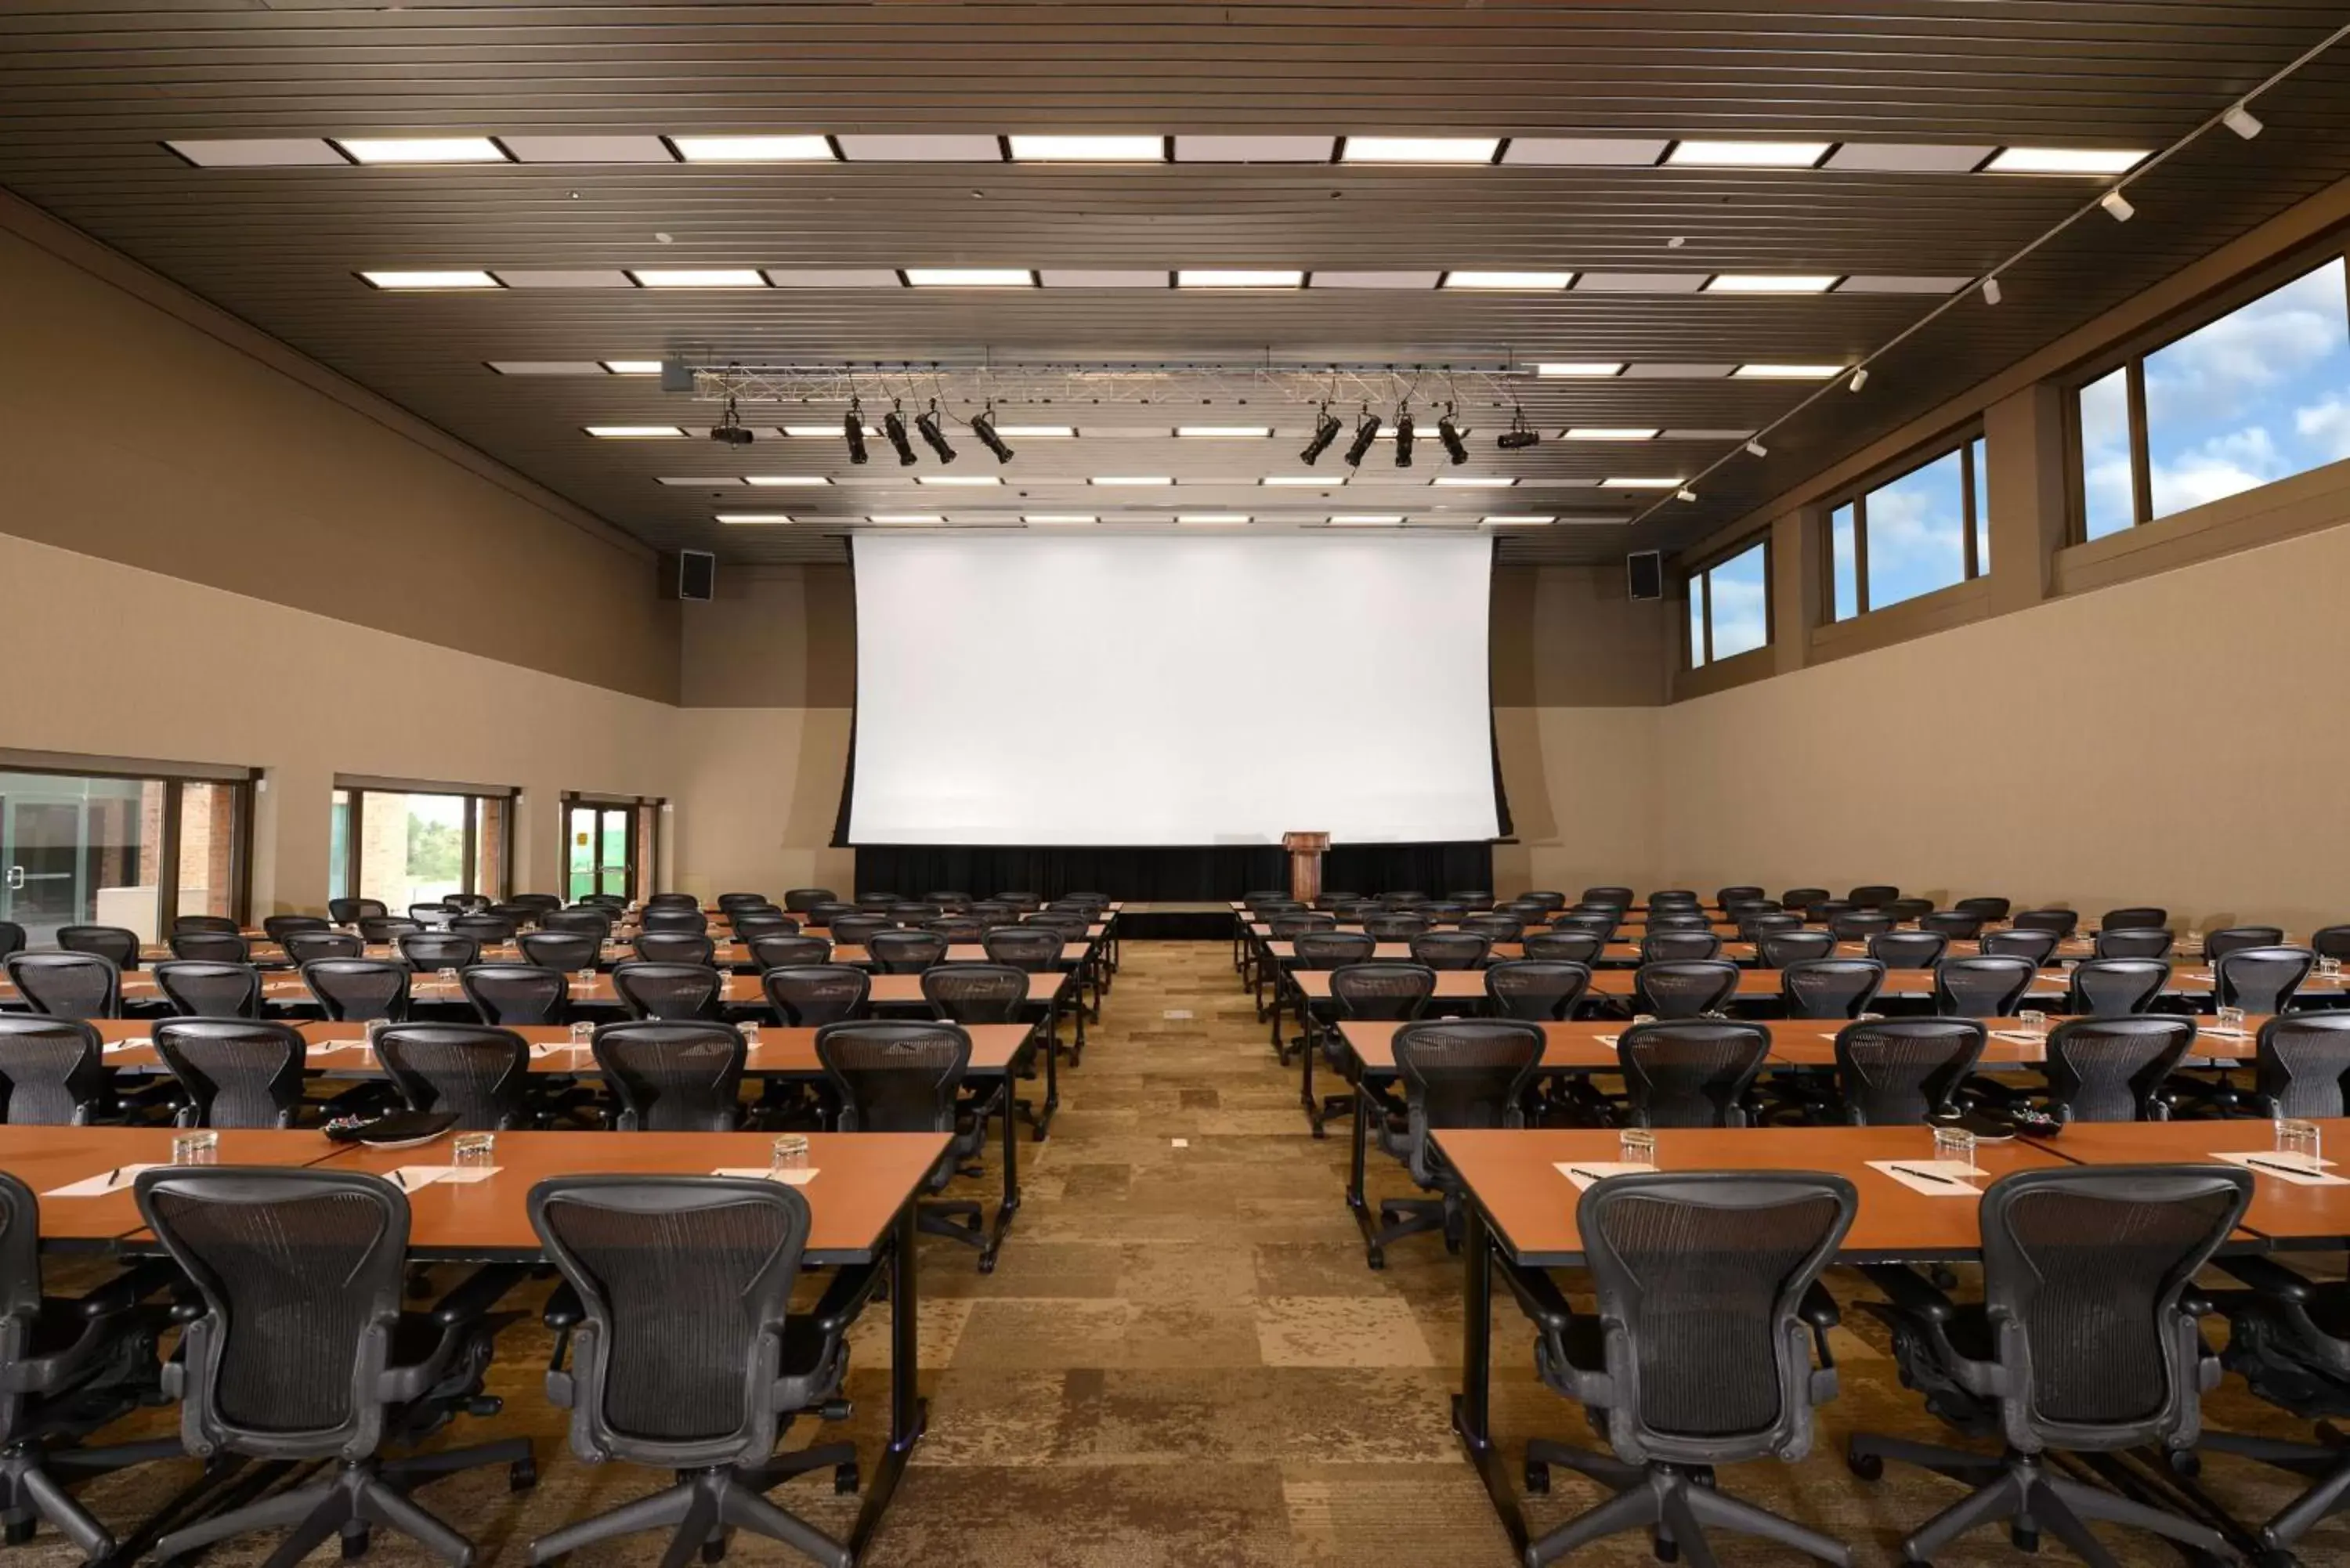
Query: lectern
[{"x": 1306, "y": 864}]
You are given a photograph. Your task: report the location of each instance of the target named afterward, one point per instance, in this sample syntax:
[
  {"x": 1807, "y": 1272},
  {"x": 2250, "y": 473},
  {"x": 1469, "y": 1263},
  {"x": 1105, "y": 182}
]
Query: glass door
[
  {"x": 79, "y": 851},
  {"x": 602, "y": 849}
]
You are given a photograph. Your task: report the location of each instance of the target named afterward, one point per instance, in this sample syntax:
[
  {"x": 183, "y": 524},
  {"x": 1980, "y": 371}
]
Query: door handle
[{"x": 16, "y": 877}]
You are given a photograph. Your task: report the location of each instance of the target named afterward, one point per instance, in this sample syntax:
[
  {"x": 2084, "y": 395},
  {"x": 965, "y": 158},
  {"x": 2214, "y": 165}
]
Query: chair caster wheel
[
  {"x": 1914, "y": 1563},
  {"x": 987, "y": 1265},
  {"x": 1664, "y": 1551},
  {"x": 844, "y": 1480},
  {"x": 355, "y": 1543},
  {"x": 2186, "y": 1462},
  {"x": 1537, "y": 1477},
  {"x": 715, "y": 1549},
  {"x": 2275, "y": 1557},
  {"x": 19, "y": 1530},
  {"x": 2023, "y": 1540},
  {"x": 522, "y": 1475},
  {"x": 1868, "y": 1467}
]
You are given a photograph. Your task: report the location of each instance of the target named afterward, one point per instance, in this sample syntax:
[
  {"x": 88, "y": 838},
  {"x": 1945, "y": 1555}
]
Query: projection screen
[{"x": 1186, "y": 689}]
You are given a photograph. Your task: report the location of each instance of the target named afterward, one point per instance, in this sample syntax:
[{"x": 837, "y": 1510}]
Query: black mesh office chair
[
  {"x": 1478, "y": 899},
  {"x": 350, "y": 911},
  {"x": 788, "y": 952},
  {"x": 1906, "y": 910},
  {"x": 302, "y": 945},
  {"x": 201, "y": 989},
  {"x": 913, "y": 916},
  {"x": 1405, "y": 899},
  {"x": 490, "y": 931},
  {"x": 909, "y": 1078},
  {"x": 1754, "y": 927},
  {"x": 2063, "y": 922},
  {"x": 2326, "y": 941},
  {"x": 2302, "y": 1069},
  {"x": 1673, "y": 898},
  {"x": 686, "y": 1355},
  {"x": 749, "y": 927},
  {"x": 590, "y": 922},
  {"x": 1035, "y": 948},
  {"x": 1801, "y": 898},
  {"x": 1826, "y": 912},
  {"x": 729, "y": 902},
  {"x": 385, "y": 931},
  {"x": 1600, "y": 923},
  {"x": 1956, "y": 925},
  {"x": 428, "y": 952},
  {"x": 69, "y": 1366},
  {"x": 1744, "y": 892},
  {"x": 615, "y": 906},
  {"x": 1684, "y": 988},
  {"x": 211, "y": 947},
  {"x": 2083, "y": 1343},
  {"x": 1549, "y": 898},
  {"x": 1873, "y": 895},
  {"x": 2138, "y": 917},
  {"x": 677, "y": 947},
  {"x": 2260, "y": 979},
  {"x": 1690, "y": 1072},
  {"x": 1908, "y": 949},
  {"x": 976, "y": 993},
  {"x": 667, "y": 991},
  {"x": 857, "y": 930},
  {"x": 672, "y": 1076},
  {"x": 963, "y": 930},
  {"x": 1982, "y": 985},
  {"x": 53, "y": 1073},
  {"x": 2112, "y": 1069},
  {"x": 1450, "y": 950},
  {"x": 12, "y": 938},
  {"x": 1708, "y": 1346},
  {"x": 277, "y": 927},
  {"x": 672, "y": 900},
  {"x": 1442, "y": 911},
  {"x": 303, "y": 1354},
  {"x": 67, "y": 984},
  {"x": 906, "y": 951},
  {"x": 1616, "y": 898},
  {"x": 2020, "y": 942},
  {"x": 2115, "y": 987},
  {"x": 1860, "y": 925},
  {"x": 824, "y": 913},
  {"x": 800, "y": 901},
  {"x": 809, "y": 996},
  {"x": 1585, "y": 948},
  {"x": 516, "y": 994},
  {"x": 1384, "y": 991},
  {"x": 480, "y": 1075},
  {"x": 1897, "y": 1071},
  {"x": 1538, "y": 990},
  {"x": 953, "y": 900},
  {"x": 1777, "y": 949},
  {"x": 1397, "y": 926},
  {"x": 1830, "y": 987},
  {"x": 358, "y": 989},
  {"x": 236, "y": 1072},
  {"x": 521, "y": 915},
  {"x": 542, "y": 901},
  {"x": 1669, "y": 946},
  {"x": 1494, "y": 928},
  {"x": 570, "y": 951},
  {"x": 1679, "y": 920},
  {"x": 2133, "y": 943},
  {"x": 1331, "y": 950},
  {"x": 118, "y": 944},
  {"x": 1455, "y": 1072}
]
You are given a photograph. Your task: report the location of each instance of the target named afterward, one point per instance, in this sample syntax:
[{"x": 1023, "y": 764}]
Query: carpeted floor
[{"x": 1183, "y": 1361}]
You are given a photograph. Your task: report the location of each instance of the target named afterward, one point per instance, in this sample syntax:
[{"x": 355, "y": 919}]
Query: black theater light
[
  {"x": 1365, "y": 434},
  {"x": 1326, "y": 430},
  {"x": 1448, "y": 430},
  {"x": 893, "y": 425},
  {"x": 1403, "y": 438},
  {"x": 983, "y": 428},
  {"x": 935, "y": 434}
]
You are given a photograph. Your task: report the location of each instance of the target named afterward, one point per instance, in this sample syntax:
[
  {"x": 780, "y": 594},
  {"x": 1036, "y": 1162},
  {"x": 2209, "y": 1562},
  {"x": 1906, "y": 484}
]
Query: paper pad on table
[
  {"x": 1956, "y": 1174},
  {"x": 797, "y": 1176},
  {"x": 104, "y": 1182},
  {"x": 2303, "y": 1171},
  {"x": 1584, "y": 1172},
  {"x": 2019, "y": 1037},
  {"x": 409, "y": 1178}
]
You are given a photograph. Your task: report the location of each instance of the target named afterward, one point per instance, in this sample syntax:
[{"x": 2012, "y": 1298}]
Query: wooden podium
[{"x": 1306, "y": 864}]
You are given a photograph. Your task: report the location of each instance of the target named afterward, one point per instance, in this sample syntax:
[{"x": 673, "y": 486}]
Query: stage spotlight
[
  {"x": 893, "y": 425},
  {"x": 729, "y": 431},
  {"x": 983, "y": 428},
  {"x": 852, "y": 428},
  {"x": 935, "y": 435},
  {"x": 1517, "y": 438},
  {"x": 1365, "y": 434},
  {"x": 1326, "y": 430},
  {"x": 1403, "y": 438},
  {"x": 1456, "y": 446}
]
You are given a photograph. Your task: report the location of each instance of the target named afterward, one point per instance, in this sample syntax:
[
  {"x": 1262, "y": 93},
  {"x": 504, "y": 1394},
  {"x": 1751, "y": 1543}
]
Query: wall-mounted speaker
[
  {"x": 1644, "y": 571},
  {"x": 689, "y": 575}
]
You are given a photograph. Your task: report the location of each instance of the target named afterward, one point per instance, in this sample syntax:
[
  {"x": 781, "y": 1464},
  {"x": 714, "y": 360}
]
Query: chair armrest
[
  {"x": 845, "y": 1298},
  {"x": 1538, "y": 1297},
  {"x": 2268, "y": 1277},
  {"x": 1818, "y": 1309},
  {"x": 1911, "y": 1294},
  {"x": 474, "y": 1297}
]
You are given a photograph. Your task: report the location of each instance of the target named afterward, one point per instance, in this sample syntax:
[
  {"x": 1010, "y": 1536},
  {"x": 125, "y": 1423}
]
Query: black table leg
[
  {"x": 909, "y": 1413},
  {"x": 1359, "y": 1201},
  {"x": 1011, "y": 1204},
  {"x": 1312, "y": 1104},
  {"x": 1472, "y": 1411}
]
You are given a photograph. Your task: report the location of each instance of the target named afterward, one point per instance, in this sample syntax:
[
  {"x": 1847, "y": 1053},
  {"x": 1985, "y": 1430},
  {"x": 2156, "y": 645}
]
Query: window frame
[
  {"x": 174, "y": 777},
  {"x": 502, "y": 797},
  {"x": 1973, "y": 504},
  {"x": 2130, "y": 356},
  {"x": 1697, "y": 584}
]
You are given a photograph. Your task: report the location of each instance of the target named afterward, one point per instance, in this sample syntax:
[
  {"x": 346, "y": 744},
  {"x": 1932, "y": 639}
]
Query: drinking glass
[
  {"x": 475, "y": 1149},
  {"x": 1956, "y": 1145},
  {"x": 2034, "y": 1021},
  {"x": 1637, "y": 1146},
  {"x": 750, "y": 1036},
  {"x": 2299, "y": 1141},
  {"x": 199, "y": 1147},
  {"x": 581, "y": 1035},
  {"x": 2231, "y": 1018},
  {"x": 791, "y": 1153}
]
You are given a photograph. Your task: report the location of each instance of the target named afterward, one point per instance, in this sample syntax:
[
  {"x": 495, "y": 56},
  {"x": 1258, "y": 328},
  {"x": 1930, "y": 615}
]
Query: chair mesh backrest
[
  {"x": 676, "y": 947},
  {"x": 809, "y": 996},
  {"x": 429, "y": 950},
  {"x": 1382, "y": 992},
  {"x": 2134, "y": 942},
  {"x": 1873, "y": 895},
  {"x": 211, "y": 947},
  {"x": 1036, "y": 948},
  {"x": 2326, "y": 941},
  {"x": 1768, "y": 923},
  {"x": 823, "y": 912},
  {"x": 1405, "y": 899},
  {"x": 2061, "y": 922},
  {"x": 1906, "y": 909},
  {"x": 1894, "y": 1072},
  {"x": 2107, "y": 1069},
  {"x": 570, "y": 951},
  {"x": 2116, "y": 987},
  {"x": 1691, "y": 1073},
  {"x": 729, "y": 902},
  {"x": 1463, "y": 1072},
  {"x": 2260, "y": 979},
  {"x": 114, "y": 942},
  {"x": 2089, "y": 1264},
  {"x": 1548, "y": 897},
  {"x": 1673, "y": 898},
  {"x": 358, "y": 989},
  {"x": 1908, "y": 949},
  {"x": 2037, "y": 946},
  {"x": 1830, "y": 987},
  {"x": 894, "y": 1076},
  {"x": 1860, "y": 925},
  {"x": 956, "y": 929},
  {"x": 1958, "y": 925},
  {"x": 906, "y": 952},
  {"x": 516, "y": 994},
  {"x": 1542, "y": 990},
  {"x": 1679, "y": 921},
  {"x": 667, "y": 991},
  {"x": 350, "y": 911},
  {"x": 67, "y": 985},
  {"x": 1684, "y": 988},
  {"x": 1479, "y": 898},
  {"x": 954, "y": 900},
  {"x": 596, "y": 923},
  {"x": 672, "y": 1076},
  {"x": 1661, "y": 947},
  {"x": 385, "y": 929},
  {"x": 1616, "y": 898},
  {"x": 2303, "y": 1062},
  {"x": 788, "y": 952},
  {"x": 750, "y": 928},
  {"x": 1566, "y": 947},
  {"x": 1777, "y": 949},
  {"x": 857, "y": 930},
  {"x": 976, "y": 993},
  {"x": 1739, "y": 894},
  {"x": 295, "y": 1267},
  {"x": 691, "y": 921},
  {"x": 2136, "y": 918},
  {"x": 12, "y": 938},
  {"x": 1601, "y": 923},
  {"x": 1449, "y": 950},
  {"x": 800, "y": 901},
  {"x": 238, "y": 1073},
  {"x": 302, "y": 945},
  {"x": 1801, "y": 898},
  {"x": 680, "y": 1277},
  {"x": 487, "y": 929},
  {"x": 201, "y": 989},
  {"x": 1982, "y": 985},
  {"x": 2228, "y": 938},
  {"x": 1825, "y": 911},
  {"x": 1495, "y": 927},
  {"x": 1395, "y": 926},
  {"x": 1332, "y": 950},
  {"x": 51, "y": 1071},
  {"x": 479, "y": 1074},
  {"x": 1698, "y": 1279},
  {"x": 914, "y": 915},
  {"x": 1989, "y": 909}
]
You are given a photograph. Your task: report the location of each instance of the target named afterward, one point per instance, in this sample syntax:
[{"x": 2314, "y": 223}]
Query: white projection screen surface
[{"x": 1171, "y": 689}]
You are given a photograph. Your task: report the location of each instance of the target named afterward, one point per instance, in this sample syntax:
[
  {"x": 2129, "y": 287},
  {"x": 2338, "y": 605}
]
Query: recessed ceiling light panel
[
  {"x": 588, "y": 148},
  {"x": 1238, "y": 278},
  {"x": 634, "y": 432},
  {"x": 1787, "y": 372},
  {"x": 1088, "y": 148},
  {"x": 1747, "y": 154},
  {"x": 1609, "y": 432},
  {"x": 1536, "y": 281},
  {"x": 1583, "y": 151},
  {"x": 1906, "y": 158},
  {"x": 699, "y": 277},
  {"x": 753, "y": 519},
  {"x": 1420, "y": 148},
  {"x": 969, "y": 277},
  {"x": 394, "y": 149},
  {"x": 2065, "y": 161},
  {"x": 1582, "y": 368},
  {"x": 261, "y": 152},
  {"x": 752, "y": 149},
  {"x": 788, "y": 480},
  {"x": 446, "y": 279},
  {"x": 1771, "y": 283}
]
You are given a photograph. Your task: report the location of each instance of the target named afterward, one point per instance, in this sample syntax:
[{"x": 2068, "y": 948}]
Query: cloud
[
  {"x": 2326, "y": 427},
  {"x": 2199, "y": 477},
  {"x": 1739, "y": 621},
  {"x": 2212, "y": 372}
]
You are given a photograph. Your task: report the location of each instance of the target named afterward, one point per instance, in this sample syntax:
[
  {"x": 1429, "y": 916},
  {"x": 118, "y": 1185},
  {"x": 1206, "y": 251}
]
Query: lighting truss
[{"x": 1064, "y": 387}]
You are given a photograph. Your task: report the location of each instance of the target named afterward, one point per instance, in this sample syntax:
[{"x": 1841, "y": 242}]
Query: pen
[
  {"x": 2286, "y": 1170},
  {"x": 1926, "y": 1176},
  {"x": 111, "y": 1177}
]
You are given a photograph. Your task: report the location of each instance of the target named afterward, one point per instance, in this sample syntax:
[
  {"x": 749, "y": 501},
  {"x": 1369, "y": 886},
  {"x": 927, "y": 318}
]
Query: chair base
[
  {"x": 2328, "y": 1464},
  {"x": 358, "y": 1495},
  {"x": 32, "y": 1489},
  {"x": 1673, "y": 1502},
  {"x": 957, "y": 1221},
  {"x": 706, "y": 1507},
  {"x": 2016, "y": 1489}
]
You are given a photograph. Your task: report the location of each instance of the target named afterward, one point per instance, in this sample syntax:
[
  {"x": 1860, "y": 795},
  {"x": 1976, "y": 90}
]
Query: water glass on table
[{"x": 1636, "y": 1146}]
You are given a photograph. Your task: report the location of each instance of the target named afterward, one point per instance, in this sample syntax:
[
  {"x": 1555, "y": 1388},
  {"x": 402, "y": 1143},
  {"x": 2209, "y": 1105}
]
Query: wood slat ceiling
[{"x": 90, "y": 89}]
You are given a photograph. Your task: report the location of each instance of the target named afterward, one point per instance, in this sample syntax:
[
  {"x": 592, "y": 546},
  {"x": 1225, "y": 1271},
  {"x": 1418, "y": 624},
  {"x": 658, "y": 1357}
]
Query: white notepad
[
  {"x": 2299, "y": 1169},
  {"x": 1919, "y": 1176},
  {"x": 798, "y": 1176},
  {"x": 1584, "y": 1172},
  {"x": 104, "y": 1182},
  {"x": 2019, "y": 1037},
  {"x": 131, "y": 1043},
  {"x": 409, "y": 1178}
]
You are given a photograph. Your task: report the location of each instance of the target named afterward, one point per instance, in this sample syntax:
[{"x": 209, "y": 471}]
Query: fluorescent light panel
[
  {"x": 1071, "y": 518},
  {"x": 1601, "y": 432},
  {"x": 1130, "y": 480},
  {"x": 1517, "y": 519},
  {"x": 1035, "y": 432},
  {"x": 633, "y": 366},
  {"x": 969, "y": 277},
  {"x": 832, "y": 430},
  {"x": 546, "y": 367},
  {"x": 588, "y": 148},
  {"x": 1238, "y": 278},
  {"x": 1367, "y": 520},
  {"x": 261, "y": 152},
  {"x": 447, "y": 279},
  {"x": 1088, "y": 148},
  {"x": 1420, "y": 148},
  {"x": 1639, "y": 485},
  {"x": 2065, "y": 161},
  {"x": 964, "y": 480},
  {"x": 909, "y": 517},
  {"x": 747, "y": 519},
  {"x": 1787, "y": 372},
  {"x": 1588, "y": 367},
  {"x": 786, "y": 481},
  {"x": 699, "y": 277},
  {"x": 1237, "y": 432},
  {"x": 390, "y": 150},
  {"x": 752, "y": 149},
  {"x": 1509, "y": 280},
  {"x": 634, "y": 432},
  {"x": 1473, "y": 481},
  {"x": 1212, "y": 519},
  {"x": 1747, "y": 154},
  {"x": 1771, "y": 283},
  {"x": 1304, "y": 481}
]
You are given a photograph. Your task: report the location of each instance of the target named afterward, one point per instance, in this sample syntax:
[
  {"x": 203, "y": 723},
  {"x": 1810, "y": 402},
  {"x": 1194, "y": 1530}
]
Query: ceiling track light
[
  {"x": 852, "y": 428},
  {"x": 934, "y": 433},
  {"x": 1859, "y": 378},
  {"x": 729, "y": 430},
  {"x": 1990, "y": 291},
  {"x": 1365, "y": 434},
  {"x": 1403, "y": 436},
  {"x": 893, "y": 425},
  {"x": 2117, "y": 205},
  {"x": 1449, "y": 431},
  {"x": 1756, "y": 449},
  {"x": 1685, "y": 493},
  {"x": 1518, "y": 437},
  {"x": 2243, "y": 122},
  {"x": 1326, "y": 426},
  {"x": 983, "y": 428}
]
